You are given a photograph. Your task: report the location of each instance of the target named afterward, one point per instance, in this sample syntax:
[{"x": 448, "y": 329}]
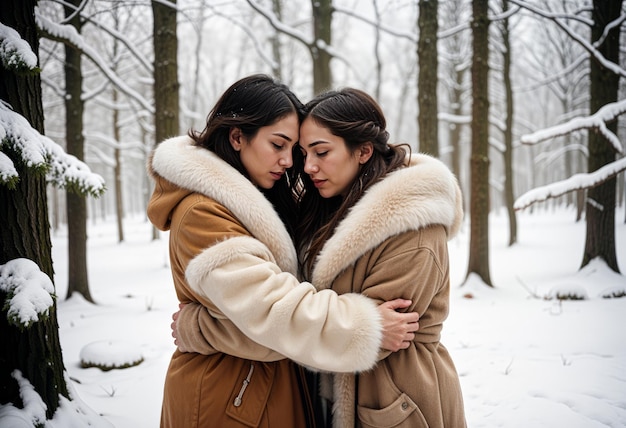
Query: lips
[
  {"x": 318, "y": 183},
  {"x": 276, "y": 175}
]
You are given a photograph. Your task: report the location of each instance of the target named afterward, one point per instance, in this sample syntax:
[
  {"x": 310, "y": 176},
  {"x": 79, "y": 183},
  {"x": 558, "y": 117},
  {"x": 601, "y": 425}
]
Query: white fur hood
[
  {"x": 424, "y": 193},
  {"x": 199, "y": 170}
]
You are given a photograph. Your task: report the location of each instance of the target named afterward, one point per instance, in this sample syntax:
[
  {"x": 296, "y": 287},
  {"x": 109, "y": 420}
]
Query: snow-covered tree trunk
[
  {"x": 600, "y": 239},
  {"x": 479, "y": 164},
  {"x": 78, "y": 277},
  {"x": 25, "y": 233},
  {"x": 427, "y": 123}
]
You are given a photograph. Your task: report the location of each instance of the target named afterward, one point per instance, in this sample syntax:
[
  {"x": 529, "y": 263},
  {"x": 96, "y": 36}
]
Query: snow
[
  {"x": 15, "y": 52},
  {"x": 40, "y": 152},
  {"x": 523, "y": 360},
  {"x": 29, "y": 291},
  {"x": 110, "y": 354}
]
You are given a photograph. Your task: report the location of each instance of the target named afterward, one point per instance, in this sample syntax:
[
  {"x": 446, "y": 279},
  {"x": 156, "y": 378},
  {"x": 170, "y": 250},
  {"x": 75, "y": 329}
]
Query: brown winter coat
[
  {"x": 230, "y": 252},
  {"x": 393, "y": 243}
]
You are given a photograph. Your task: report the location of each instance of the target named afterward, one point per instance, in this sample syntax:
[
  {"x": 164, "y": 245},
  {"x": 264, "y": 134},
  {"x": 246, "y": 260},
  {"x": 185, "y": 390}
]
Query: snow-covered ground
[{"x": 523, "y": 361}]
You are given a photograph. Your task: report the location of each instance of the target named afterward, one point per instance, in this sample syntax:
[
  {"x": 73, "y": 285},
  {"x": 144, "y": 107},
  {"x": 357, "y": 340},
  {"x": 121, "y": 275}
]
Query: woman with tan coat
[
  {"x": 374, "y": 224},
  {"x": 223, "y": 194}
]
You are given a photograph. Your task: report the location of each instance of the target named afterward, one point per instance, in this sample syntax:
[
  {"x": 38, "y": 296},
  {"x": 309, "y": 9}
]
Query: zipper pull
[{"x": 246, "y": 381}]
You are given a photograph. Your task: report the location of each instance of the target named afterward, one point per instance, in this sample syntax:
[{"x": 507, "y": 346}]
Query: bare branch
[{"x": 558, "y": 20}]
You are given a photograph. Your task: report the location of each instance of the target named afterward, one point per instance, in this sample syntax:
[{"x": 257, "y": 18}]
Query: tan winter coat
[
  {"x": 230, "y": 252},
  {"x": 393, "y": 243}
]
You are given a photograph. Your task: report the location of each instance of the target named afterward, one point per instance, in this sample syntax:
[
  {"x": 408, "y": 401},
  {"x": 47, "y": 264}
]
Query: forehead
[
  {"x": 312, "y": 131},
  {"x": 287, "y": 128}
]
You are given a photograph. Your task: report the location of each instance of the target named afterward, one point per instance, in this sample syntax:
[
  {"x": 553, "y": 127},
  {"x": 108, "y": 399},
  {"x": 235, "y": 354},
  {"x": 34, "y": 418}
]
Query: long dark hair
[
  {"x": 357, "y": 118},
  {"x": 250, "y": 104}
]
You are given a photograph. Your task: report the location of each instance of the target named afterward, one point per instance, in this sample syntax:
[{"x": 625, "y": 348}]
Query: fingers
[{"x": 397, "y": 304}]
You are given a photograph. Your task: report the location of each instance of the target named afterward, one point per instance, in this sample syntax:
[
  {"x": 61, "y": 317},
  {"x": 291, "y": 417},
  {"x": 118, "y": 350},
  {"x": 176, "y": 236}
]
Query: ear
[
  {"x": 365, "y": 152},
  {"x": 234, "y": 137}
]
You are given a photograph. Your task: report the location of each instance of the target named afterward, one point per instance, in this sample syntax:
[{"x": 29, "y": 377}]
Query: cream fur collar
[
  {"x": 424, "y": 193},
  {"x": 200, "y": 170}
]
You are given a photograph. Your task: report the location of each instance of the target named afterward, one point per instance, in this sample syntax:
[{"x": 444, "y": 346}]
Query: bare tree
[
  {"x": 322, "y": 13},
  {"x": 604, "y": 108},
  {"x": 509, "y": 194},
  {"x": 600, "y": 238},
  {"x": 78, "y": 278},
  {"x": 166, "y": 99},
  {"x": 479, "y": 163},
  {"x": 427, "y": 99}
]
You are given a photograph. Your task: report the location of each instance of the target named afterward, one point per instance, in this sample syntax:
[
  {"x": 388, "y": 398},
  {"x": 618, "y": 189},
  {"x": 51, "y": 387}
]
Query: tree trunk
[
  {"x": 479, "y": 165},
  {"x": 322, "y": 20},
  {"x": 600, "y": 239},
  {"x": 427, "y": 122},
  {"x": 166, "y": 84},
  {"x": 25, "y": 232},
  {"x": 508, "y": 130},
  {"x": 277, "y": 69},
  {"x": 78, "y": 279},
  {"x": 166, "y": 98},
  {"x": 117, "y": 172},
  {"x": 117, "y": 137}
]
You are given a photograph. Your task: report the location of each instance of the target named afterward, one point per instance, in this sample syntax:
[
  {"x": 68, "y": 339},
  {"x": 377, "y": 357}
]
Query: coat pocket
[
  {"x": 403, "y": 412},
  {"x": 248, "y": 398}
]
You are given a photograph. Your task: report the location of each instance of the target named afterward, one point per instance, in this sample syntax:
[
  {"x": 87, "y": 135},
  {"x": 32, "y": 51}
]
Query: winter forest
[{"x": 524, "y": 100}]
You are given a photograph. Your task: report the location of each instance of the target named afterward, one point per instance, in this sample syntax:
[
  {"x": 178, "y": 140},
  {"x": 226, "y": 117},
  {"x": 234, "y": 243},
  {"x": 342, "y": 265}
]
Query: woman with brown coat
[{"x": 376, "y": 224}]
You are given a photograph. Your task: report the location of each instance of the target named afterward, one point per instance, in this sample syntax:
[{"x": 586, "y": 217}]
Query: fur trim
[
  {"x": 222, "y": 253},
  {"x": 191, "y": 167},
  {"x": 424, "y": 193}
]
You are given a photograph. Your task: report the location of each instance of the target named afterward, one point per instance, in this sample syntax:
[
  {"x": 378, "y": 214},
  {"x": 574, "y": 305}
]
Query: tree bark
[
  {"x": 479, "y": 164},
  {"x": 25, "y": 233},
  {"x": 427, "y": 78},
  {"x": 322, "y": 33},
  {"x": 509, "y": 195},
  {"x": 78, "y": 278},
  {"x": 166, "y": 99},
  {"x": 600, "y": 237}
]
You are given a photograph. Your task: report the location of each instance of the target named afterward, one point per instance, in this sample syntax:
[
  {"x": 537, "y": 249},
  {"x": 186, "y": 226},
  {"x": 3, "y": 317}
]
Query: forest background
[{"x": 521, "y": 99}]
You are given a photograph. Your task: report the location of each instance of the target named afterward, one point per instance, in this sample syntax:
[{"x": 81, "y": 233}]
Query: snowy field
[{"x": 523, "y": 361}]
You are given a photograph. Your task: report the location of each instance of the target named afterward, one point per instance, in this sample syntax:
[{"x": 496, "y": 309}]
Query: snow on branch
[
  {"x": 596, "y": 121},
  {"x": 29, "y": 292},
  {"x": 575, "y": 182},
  {"x": 67, "y": 34},
  {"x": 42, "y": 154},
  {"x": 15, "y": 52}
]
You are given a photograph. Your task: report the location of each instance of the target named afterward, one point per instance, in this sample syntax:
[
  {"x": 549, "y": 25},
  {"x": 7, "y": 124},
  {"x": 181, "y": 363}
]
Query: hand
[
  {"x": 398, "y": 328},
  {"x": 175, "y": 316}
]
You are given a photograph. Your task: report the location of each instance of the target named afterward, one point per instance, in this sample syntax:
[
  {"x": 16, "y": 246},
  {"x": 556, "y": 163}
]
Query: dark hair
[
  {"x": 357, "y": 118},
  {"x": 250, "y": 104}
]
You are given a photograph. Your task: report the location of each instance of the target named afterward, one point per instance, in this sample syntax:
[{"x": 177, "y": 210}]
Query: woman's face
[
  {"x": 267, "y": 155},
  {"x": 329, "y": 162}
]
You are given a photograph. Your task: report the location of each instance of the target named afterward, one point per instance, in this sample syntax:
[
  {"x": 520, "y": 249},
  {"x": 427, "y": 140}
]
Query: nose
[
  {"x": 286, "y": 160},
  {"x": 309, "y": 166}
]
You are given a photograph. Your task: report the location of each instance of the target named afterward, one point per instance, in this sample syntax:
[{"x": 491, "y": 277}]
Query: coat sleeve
[
  {"x": 413, "y": 265},
  {"x": 202, "y": 333},
  {"x": 319, "y": 329}
]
